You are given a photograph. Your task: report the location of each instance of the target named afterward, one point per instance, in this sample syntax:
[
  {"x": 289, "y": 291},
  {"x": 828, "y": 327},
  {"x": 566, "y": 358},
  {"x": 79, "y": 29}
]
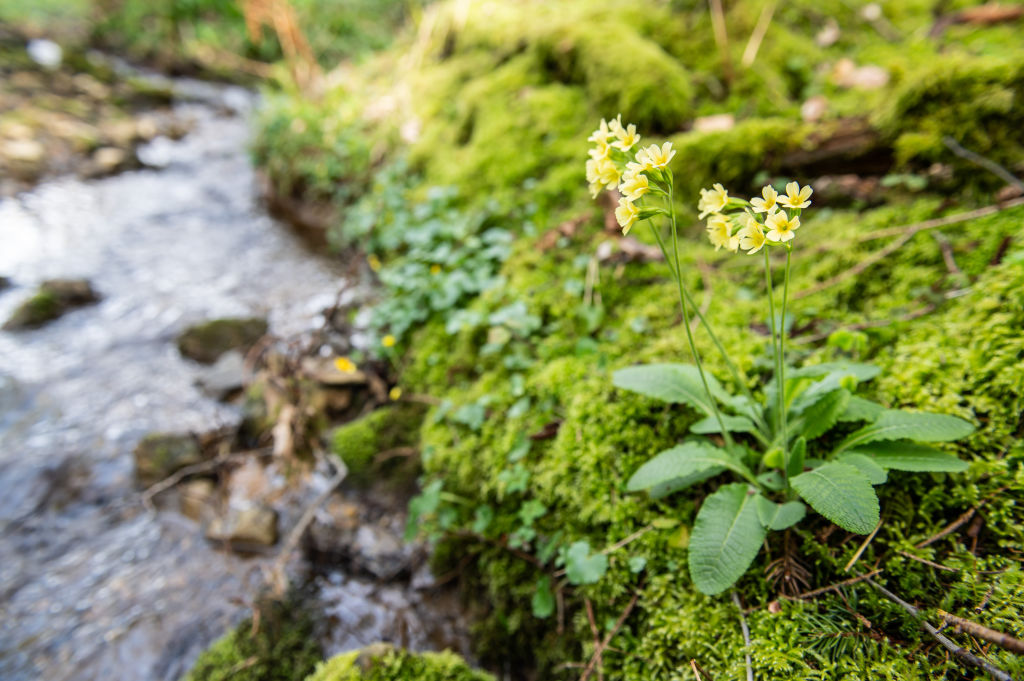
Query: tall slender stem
[
  {"x": 775, "y": 344},
  {"x": 686, "y": 319},
  {"x": 782, "y": 369}
]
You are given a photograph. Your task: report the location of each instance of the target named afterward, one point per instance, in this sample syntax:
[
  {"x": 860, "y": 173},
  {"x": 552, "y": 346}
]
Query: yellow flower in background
[
  {"x": 601, "y": 151},
  {"x": 752, "y": 237},
  {"x": 780, "y": 227},
  {"x": 395, "y": 393},
  {"x": 593, "y": 178},
  {"x": 602, "y": 133},
  {"x": 626, "y": 136},
  {"x": 435, "y": 269},
  {"x": 655, "y": 157},
  {"x": 712, "y": 200},
  {"x": 608, "y": 174},
  {"x": 345, "y": 365},
  {"x": 634, "y": 185},
  {"x": 796, "y": 196},
  {"x": 374, "y": 262},
  {"x": 769, "y": 203},
  {"x": 627, "y": 214},
  {"x": 388, "y": 341},
  {"x": 720, "y": 233}
]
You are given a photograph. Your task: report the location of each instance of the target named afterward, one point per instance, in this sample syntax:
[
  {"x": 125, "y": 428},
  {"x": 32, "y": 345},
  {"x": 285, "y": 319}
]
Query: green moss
[
  {"x": 280, "y": 646},
  {"x": 41, "y": 308},
  {"x": 382, "y": 662},
  {"x": 386, "y": 429}
]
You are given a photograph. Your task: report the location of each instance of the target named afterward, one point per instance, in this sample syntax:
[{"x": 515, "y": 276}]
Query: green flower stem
[
  {"x": 686, "y": 319},
  {"x": 775, "y": 345},
  {"x": 782, "y": 370},
  {"x": 733, "y": 370}
]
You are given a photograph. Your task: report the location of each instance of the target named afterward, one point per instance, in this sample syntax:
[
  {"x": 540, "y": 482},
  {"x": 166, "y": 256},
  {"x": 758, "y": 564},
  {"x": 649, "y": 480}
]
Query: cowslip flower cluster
[
  {"x": 613, "y": 165},
  {"x": 769, "y": 219}
]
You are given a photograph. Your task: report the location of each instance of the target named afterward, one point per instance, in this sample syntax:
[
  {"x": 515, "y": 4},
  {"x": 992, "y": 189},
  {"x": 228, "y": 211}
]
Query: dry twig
[
  {"x": 927, "y": 562},
  {"x": 757, "y": 35},
  {"x": 964, "y": 655},
  {"x": 607, "y": 639},
  {"x": 999, "y": 638},
  {"x": 746, "y": 635},
  {"x": 863, "y": 546},
  {"x": 838, "y": 585},
  {"x": 986, "y": 163}
]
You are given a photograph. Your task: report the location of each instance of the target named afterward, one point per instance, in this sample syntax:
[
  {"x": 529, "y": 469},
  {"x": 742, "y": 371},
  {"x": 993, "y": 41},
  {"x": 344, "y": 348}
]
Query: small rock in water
[
  {"x": 197, "y": 497},
  {"x": 207, "y": 341},
  {"x": 251, "y": 525},
  {"x": 225, "y": 377},
  {"x": 160, "y": 455},
  {"x": 52, "y": 299},
  {"x": 109, "y": 159},
  {"x": 44, "y": 52}
]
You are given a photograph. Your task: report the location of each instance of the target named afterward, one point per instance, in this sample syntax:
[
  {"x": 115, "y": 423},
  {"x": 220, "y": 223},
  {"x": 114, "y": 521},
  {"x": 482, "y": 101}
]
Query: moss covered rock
[
  {"x": 383, "y": 662},
  {"x": 278, "y": 646},
  {"x": 206, "y": 342},
  {"x": 381, "y": 431},
  {"x": 159, "y": 455},
  {"x": 52, "y": 299}
]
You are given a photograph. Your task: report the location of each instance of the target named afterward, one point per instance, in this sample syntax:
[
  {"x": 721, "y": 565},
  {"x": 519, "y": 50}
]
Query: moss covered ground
[{"x": 529, "y": 447}]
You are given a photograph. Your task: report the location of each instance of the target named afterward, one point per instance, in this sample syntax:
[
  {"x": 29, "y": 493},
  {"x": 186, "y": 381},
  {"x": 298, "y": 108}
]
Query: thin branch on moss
[
  {"x": 991, "y": 635},
  {"x": 699, "y": 671},
  {"x": 874, "y": 324},
  {"x": 195, "y": 469},
  {"x": 927, "y": 562},
  {"x": 746, "y": 635},
  {"x": 597, "y": 638},
  {"x": 721, "y": 37},
  {"x": 757, "y": 35},
  {"x": 986, "y": 163},
  {"x": 608, "y": 638},
  {"x": 838, "y": 585},
  {"x": 948, "y": 529},
  {"x": 940, "y": 222},
  {"x": 964, "y": 655},
  {"x": 863, "y": 546}
]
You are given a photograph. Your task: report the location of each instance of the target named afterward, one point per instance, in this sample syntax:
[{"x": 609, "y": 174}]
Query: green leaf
[
  {"x": 779, "y": 516},
  {"x": 797, "y": 453},
  {"x": 859, "y": 409},
  {"x": 637, "y": 564},
  {"x": 819, "y": 417},
  {"x": 733, "y": 424},
  {"x": 842, "y": 494},
  {"x": 674, "y": 383},
  {"x": 668, "y": 487},
  {"x": 583, "y": 567},
  {"x": 866, "y": 465},
  {"x": 862, "y": 372},
  {"x": 727, "y": 535},
  {"x": 684, "y": 462},
  {"x": 894, "y": 424},
  {"x": 909, "y": 456},
  {"x": 482, "y": 518},
  {"x": 543, "y": 601}
]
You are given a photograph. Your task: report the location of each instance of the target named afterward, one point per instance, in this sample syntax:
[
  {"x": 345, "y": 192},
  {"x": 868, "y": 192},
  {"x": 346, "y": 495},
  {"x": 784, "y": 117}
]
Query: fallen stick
[
  {"x": 999, "y": 638},
  {"x": 608, "y": 638},
  {"x": 746, "y": 636},
  {"x": 964, "y": 655},
  {"x": 838, "y": 585},
  {"x": 986, "y": 163}
]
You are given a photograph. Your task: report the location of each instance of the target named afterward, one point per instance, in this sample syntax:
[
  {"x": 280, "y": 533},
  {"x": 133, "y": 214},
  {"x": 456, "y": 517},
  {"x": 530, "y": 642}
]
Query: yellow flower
[
  {"x": 395, "y": 393},
  {"x": 751, "y": 236},
  {"x": 796, "y": 196},
  {"x": 626, "y": 136},
  {"x": 634, "y": 185},
  {"x": 627, "y": 214},
  {"x": 780, "y": 227},
  {"x": 601, "y": 134},
  {"x": 712, "y": 200},
  {"x": 608, "y": 174},
  {"x": 654, "y": 157},
  {"x": 388, "y": 341},
  {"x": 374, "y": 262},
  {"x": 768, "y": 204},
  {"x": 593, "y": 178},
  {"x": 344, "y": 365},
  {"x": 435, "y": 269},
  {"x": 601, "y": 151},
  {"x": 720, "y": 233}
]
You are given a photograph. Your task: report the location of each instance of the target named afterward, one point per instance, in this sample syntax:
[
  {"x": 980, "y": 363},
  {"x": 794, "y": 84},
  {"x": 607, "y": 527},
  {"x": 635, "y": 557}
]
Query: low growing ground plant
[{"x": 808, "y": 439}]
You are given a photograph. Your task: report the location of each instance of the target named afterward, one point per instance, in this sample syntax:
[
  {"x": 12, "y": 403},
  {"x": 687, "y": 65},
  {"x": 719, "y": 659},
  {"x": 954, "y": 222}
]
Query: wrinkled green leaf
[
  {"x": 674, "y": 383},
  {"x": 797, "y": 453},
  {"x": 909, "y": 456},
  {"x": 842, "y": 494},
  {"x": 733, "y": 424},
  {"x": 866, "y": 465},
  {"x": 818, "y": 418},
  {"x": 482, "y": 518},
  {"x": 681, "y": 462},
  {"x": 779, "y": 516},
  {"x": 860, "y": 409},
  {"x": 727, "y": 535},
  {"x": 663, "y": 489},
  {"x": 862, "y": 372},
  {"x": 894, "y": 424}
]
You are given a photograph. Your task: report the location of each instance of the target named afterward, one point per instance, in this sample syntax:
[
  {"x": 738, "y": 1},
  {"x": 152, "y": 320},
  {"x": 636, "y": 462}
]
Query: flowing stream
[{"x": 91, "y": 585}]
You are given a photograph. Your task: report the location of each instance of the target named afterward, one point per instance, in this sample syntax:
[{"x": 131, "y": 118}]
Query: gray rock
[
  {"x": 197, "y": 498},
  {"x": 253, "y": 525},
  {"x": 225, "y": 377},
  {"x": 160, "y": 455},
  {"x": 206, "y": 342}
]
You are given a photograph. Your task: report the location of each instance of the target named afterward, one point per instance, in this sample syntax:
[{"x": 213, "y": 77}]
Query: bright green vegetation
[
  {"x": 278, "y": 646},
  {"x": 381, "y": 432},
  {"x": 381, "y": 662}
]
